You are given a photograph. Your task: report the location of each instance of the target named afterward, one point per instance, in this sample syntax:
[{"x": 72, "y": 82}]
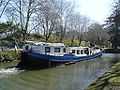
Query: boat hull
[{"x": 35, "y": 60}]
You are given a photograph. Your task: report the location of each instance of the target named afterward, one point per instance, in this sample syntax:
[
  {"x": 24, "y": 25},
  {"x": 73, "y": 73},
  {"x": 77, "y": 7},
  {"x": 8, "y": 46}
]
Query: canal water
[{"x": 72, "y": 77}]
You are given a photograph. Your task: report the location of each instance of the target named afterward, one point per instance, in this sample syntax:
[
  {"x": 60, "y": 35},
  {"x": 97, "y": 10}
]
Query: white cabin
[
  {"x": 58, "y": 49},
  {"x": 80, "y": 51}
]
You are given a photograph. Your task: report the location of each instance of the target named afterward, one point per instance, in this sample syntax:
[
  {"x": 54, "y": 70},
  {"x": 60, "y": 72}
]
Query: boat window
[
  {"x": 47, "y": 49},
  {"x": 73, "y": 51},
  {"x": 86, "y": 51},
  {"x": 56, "y": 49},
  {"x": 26, "y": 47},
  {"x": 81, "y": 51},
  {"x": 64, "y": 50},
  {"x": 78, "y": 51}
]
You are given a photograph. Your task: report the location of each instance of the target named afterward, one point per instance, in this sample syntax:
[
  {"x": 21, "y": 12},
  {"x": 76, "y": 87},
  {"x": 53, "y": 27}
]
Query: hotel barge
[{"x": 39, "y": 54}]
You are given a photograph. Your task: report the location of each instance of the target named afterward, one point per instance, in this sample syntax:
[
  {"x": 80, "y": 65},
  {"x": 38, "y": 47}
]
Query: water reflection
[{"x": 73, "y": 77}]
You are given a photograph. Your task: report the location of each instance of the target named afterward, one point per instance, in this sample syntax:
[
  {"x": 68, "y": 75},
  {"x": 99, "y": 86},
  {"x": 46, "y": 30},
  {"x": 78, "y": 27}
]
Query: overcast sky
[{"x": 97, "y": 10}]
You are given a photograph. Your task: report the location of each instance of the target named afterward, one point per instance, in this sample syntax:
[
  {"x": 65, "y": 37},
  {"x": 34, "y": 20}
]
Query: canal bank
[
  {"x": 110, "y": 80},
  {"x": 9, "y": 56}
]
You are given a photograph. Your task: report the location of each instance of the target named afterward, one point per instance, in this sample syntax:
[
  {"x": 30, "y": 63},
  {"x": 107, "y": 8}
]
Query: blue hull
[
  {"x": 38, "y": 60},
  {"x": 66, "y": 58}
]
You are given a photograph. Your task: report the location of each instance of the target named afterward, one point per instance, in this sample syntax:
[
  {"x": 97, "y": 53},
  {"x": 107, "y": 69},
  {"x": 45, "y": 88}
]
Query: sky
[{"x": 96, "y": 10}]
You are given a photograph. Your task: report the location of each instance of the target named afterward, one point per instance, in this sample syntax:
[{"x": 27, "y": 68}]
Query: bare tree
[
  {"x": 76, "y": 27},
  {"x": 21, "y": 11},
  {"x": 97, "y": 35},
  {"x": 3, "y": 6},
  {"x": 64, "y": 9},
  {"x": 47, "y": 19}
]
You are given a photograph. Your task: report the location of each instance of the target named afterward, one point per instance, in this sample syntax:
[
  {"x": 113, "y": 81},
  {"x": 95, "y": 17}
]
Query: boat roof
[
  {"x": 56, "y": 44},
  {"x": 46, "y": 44},
  {"x": 78, "y": 47}
]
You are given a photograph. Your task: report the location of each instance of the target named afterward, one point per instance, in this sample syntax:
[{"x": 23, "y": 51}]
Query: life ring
[{"x": 27, "y": 48}]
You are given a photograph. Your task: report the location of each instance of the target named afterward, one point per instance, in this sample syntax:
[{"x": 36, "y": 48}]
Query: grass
[{"x": 10, "y": 55}]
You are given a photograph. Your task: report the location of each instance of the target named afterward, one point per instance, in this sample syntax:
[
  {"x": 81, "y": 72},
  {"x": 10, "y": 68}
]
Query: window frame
[
  {"x": 57, "y": 50},
  {"x": 82, "y": 51},
  {"x": 64, "y": 50},
  {"x": 47, "y": 51},
  {"x": 78, "y": 51},
  {"x": 73, "y": 51}
]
